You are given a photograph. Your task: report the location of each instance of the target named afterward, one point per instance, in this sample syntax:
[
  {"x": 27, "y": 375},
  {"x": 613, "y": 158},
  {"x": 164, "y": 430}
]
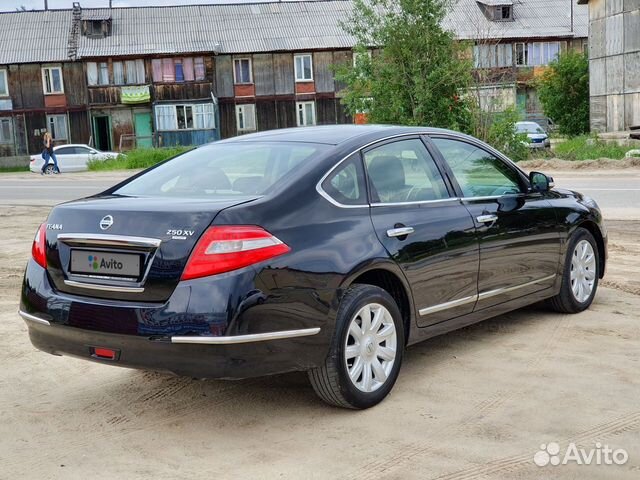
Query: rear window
[{"x": 223, "y": 170}]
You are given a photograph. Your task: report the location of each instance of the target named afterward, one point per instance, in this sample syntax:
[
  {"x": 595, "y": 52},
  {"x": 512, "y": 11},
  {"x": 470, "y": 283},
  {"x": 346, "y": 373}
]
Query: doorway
[
  {"x": 144, "y": 130},
  {"x": 102, "y": 132}
]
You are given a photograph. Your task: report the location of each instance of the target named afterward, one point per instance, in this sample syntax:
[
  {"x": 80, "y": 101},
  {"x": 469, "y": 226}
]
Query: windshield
[
  {"x": 223, "y": 170},
  {"x": 529, "y": 128}
]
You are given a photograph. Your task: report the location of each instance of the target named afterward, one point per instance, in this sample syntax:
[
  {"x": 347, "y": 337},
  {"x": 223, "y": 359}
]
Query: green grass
[
  {"x": 139, "y": 158},
  {"x": 13, "y": 169},
  {"x": 588, "y": 148}
]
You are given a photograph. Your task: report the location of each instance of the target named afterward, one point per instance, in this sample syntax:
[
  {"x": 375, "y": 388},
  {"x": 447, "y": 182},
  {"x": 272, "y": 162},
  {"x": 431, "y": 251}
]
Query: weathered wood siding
[
  {"x": 342, "y": 57},
  {"x": 326, "y": 111},
  {"x": 227, "y": 119},
  {"x": 283, "y": 73},
  {"x": 79, "y": 127},
  {"x": 75, "y": 83},
  {"x": 323, "y": 74},
  {"x": 263, "y": 74},
  {"x": 286, "y": 112},
  {"x": 36, "y": 125},
  {"x": 30, "y": 88},
  {"x": 187, "y": 137},
  {"x": 104, "y": 95},
  {"x": 182, "y": 91},
  {"x": 224, "y": 76},
  {"x": 266, "y": 116}
]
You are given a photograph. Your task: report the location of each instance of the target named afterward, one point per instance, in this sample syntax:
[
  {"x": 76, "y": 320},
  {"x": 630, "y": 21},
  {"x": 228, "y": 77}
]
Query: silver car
[
  {"x": 71, "y": 158},
  {"x": 538, "y": 138}
]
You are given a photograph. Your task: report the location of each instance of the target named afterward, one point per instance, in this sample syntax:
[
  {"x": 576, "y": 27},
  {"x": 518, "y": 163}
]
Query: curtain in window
[
  {"x": 168, "y": 70},
  {"x": 103, "y": 73},
  {"x": 92, "y": 73},
  {"x": 199, "y": 68},
  {"x": 58, "y": 127},
  {"x": 131, "y": 72},
  {"x": 178, "y": 69},
  {"x": 187, "y": 69},
  {"x": 203, "y": 116},
  {"x": 118, "y": 73},
  {"x": 55, "y": 80},
  {"x": 5, "y": 131},
  {"x": 141, "y": 76},
  {"x": 4, "y": 90},
  {"x": 166, "y": 117},
  {"x": 156, "y": 66}
]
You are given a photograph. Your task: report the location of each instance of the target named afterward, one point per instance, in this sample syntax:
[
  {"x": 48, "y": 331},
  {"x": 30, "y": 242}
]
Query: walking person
[{"x": 48, "y": 152}]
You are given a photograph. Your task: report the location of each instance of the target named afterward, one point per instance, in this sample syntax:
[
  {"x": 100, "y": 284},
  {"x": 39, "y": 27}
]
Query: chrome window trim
[
  {"x": 255, "y": 337},
  {"x": 32, "y": 318},
  {"x": 103, "y": 288},
  {"x": 481, "y": 296},
  {"x": 328, "y": 197},
  {"x": 97, "y": 239},
  {"x": 420, "y": 202}
]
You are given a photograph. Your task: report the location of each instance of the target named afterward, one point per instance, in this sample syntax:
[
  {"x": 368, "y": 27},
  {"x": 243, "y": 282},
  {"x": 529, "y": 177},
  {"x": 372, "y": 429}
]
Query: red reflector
[{"x": 105, "y": 353}]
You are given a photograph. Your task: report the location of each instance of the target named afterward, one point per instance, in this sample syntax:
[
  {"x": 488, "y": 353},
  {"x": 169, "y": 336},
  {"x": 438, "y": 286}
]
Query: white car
[
  {"x": 538, "y": 138},
  {"x": 71, "y": 158}
]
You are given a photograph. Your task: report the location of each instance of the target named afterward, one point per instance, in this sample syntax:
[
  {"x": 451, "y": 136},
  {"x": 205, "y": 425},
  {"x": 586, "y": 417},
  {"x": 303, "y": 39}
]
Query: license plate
[{"x": 105, "y": 264}]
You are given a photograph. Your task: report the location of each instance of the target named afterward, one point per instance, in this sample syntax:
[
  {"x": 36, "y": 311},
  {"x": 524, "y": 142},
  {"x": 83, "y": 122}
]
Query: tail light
[
  {"x": 39, "y": 247},
  {"x": 226, "y": 248}
]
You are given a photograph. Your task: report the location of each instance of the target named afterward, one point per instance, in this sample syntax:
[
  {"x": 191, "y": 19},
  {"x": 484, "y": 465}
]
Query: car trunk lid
[{"x": 124, "y": 248}]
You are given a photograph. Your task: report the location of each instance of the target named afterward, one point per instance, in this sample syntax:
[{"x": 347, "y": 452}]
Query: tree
[
  {"x": 419, "y": 75},
  {"x": 564, "y": 93}
]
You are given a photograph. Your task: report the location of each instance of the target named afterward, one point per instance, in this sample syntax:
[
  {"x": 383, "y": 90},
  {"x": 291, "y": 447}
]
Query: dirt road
[{"x": 477, "y": 403}]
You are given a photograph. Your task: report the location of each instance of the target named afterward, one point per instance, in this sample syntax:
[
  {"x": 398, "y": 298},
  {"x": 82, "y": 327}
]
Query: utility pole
[{"x": 46, "y": 4}]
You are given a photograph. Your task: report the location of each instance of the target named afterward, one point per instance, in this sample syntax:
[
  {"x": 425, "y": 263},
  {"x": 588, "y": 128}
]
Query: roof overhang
[{"x": 496, "y": 3}]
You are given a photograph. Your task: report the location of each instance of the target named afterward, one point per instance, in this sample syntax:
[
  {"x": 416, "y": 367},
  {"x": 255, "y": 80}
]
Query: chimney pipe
[{"x": 46, "y": 4}]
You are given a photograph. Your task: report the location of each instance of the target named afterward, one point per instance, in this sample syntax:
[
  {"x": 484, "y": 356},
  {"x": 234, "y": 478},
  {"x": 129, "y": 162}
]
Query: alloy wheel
[{"x": 370, "y": 347}]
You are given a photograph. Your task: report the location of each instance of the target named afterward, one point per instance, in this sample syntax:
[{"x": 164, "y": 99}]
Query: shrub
[
  {"x": 503, "y": 136},
  {"x": 587, "y": 147}
]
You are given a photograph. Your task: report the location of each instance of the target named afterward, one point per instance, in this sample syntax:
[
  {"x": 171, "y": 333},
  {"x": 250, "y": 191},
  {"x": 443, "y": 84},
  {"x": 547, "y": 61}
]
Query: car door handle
[
  {"x": 487, "y": 218},
  {"x": 399, "y": 232}
]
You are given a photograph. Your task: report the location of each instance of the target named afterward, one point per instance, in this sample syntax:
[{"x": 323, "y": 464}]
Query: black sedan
[{"x": 326, "y": 249}]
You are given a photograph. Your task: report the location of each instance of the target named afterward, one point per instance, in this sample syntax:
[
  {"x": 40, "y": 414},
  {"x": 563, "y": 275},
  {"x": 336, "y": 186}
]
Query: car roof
[
  {"x": 73, "y": 145},
  {"x": 334, "y": 134}
]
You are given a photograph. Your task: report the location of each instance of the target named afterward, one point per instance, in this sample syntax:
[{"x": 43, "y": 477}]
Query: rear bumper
[
  {"x": 209, "y": 328},
  {"x": 230, "y": 357}
]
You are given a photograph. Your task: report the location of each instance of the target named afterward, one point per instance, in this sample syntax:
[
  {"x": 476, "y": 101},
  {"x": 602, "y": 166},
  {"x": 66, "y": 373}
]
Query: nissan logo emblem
[{"x": 106, "y": 222}]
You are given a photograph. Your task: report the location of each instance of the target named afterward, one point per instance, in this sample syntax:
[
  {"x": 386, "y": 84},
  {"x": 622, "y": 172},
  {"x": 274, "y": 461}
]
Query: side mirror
[{"x": 540, "y": 182}]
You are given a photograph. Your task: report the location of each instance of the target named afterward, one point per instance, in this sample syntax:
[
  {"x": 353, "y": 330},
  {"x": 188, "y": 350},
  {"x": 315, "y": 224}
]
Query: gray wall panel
[
  {"x": 283, "y": 73},
  {"x": 263, "y": 74},
  {"x": 322, "y": 62},
  {"x": 224, "y": 76}
]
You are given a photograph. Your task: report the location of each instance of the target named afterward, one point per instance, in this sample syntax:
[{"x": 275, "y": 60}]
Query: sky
[{"x": 11, "y": 5}]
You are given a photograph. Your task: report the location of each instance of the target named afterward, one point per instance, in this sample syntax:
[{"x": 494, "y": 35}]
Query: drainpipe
[{"x": 46, "y": 4}]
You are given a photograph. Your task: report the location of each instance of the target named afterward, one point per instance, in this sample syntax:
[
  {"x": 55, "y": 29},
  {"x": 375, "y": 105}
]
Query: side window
[
  {"x": 404, "y": 171},
  {"x": 479, "y": 173},
  {"x": 346, "y": 184},
  {"x": 65, "y": 151}
]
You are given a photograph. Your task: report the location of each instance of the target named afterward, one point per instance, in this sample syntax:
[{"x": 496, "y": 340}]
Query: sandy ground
[{"x": 476, "y": 403}]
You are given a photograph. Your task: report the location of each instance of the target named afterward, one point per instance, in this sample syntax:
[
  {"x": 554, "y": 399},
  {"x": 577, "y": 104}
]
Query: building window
[
  {"x": 185, "y": 117},
  {"x": 303, "y": 68},
  {"x": 498, "y": 55},
  {"x": 4, "y": 84},
  {"x": 52, "y": 80},
  {"x": 103, "y": 73},
  {"x": 118, "y": 73},
  {"x": 505, "y": 13},
  {"x": 135, "y": 74},
  {"x": 6, "y": 130},
  {"x": 585, "y": 47},
  {"x": 306, "y": 113},
  {"x": 536, "y": 53},
  {"x": 246, "y": 118},
  {"x": 57, "y": 126},
  {"x": 178, "y": 69},
  {"x": 242, "y": 70}
]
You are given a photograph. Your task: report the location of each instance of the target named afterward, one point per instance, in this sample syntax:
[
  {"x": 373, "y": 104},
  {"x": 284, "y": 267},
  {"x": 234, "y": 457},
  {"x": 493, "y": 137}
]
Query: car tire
[
  {"x": 374, "y": 347},
  {"x": 581, "y": 274},
  {"x": 50, "y": 170}
]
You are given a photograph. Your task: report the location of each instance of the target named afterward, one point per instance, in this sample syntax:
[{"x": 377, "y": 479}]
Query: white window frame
[
  {"x": 57, "y": 138},
  {"x": 300, "y": 109},
  {"x": 238, "y": 81},
  {"x": 51, "y": 68},
  {"x": 198, "y": 111},
  {"x": 246, "y": 117},
  {"x": 6, "y": 141},
  {"x": 299, "y": 75},
  {"x": 4, "y": 82}
]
